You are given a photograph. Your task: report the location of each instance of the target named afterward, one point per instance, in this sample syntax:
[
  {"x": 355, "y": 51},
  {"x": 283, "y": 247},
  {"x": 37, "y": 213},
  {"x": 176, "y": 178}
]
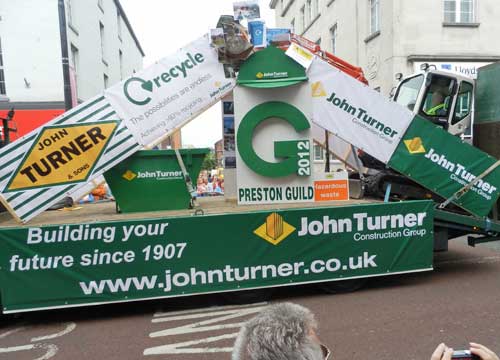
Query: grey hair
[{"x": 280, "y": 332}]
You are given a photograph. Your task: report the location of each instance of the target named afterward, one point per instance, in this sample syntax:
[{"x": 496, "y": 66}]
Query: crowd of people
[
  {"x": 210, "y": 184},
  {"x": 287, "y": 331}
]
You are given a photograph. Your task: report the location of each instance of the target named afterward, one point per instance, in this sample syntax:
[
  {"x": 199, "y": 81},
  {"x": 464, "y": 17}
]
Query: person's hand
[
  {"x": 483, "y": 352},
  {"x": 442, "y": 352}
]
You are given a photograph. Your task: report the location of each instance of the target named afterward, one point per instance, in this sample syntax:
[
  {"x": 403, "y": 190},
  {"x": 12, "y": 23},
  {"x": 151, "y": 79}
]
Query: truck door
[
  {"x": 461, "y": 119},
  {"x": 438, "y": 99}
]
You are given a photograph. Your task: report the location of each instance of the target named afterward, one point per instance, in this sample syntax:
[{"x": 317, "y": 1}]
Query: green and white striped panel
[{"x": 26, "y": 204}]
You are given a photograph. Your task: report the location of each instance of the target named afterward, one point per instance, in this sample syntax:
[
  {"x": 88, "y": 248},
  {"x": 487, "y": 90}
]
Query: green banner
[
  {"x": 68, "y": 265},
  {"x": 444, "y": 164}
]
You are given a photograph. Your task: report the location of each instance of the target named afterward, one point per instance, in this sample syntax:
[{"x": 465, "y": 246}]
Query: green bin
[{"x": 152, "y": 180}]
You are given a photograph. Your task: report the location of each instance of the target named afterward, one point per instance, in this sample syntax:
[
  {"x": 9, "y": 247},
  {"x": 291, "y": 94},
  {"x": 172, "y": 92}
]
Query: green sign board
[
  {"x": 68, "y": 265},
  {"x": 296, "y": 153},
  {"x": 444, "y": 164},
  {"x": 270, "y": 68},
  {"x": 152, "y": 180}
]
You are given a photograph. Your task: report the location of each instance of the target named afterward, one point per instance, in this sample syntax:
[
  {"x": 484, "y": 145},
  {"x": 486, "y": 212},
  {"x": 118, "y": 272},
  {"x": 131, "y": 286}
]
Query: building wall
[
  {"x": 29, "y": 34},
  {"x": 30, "y": 39},
  {"x": 95, "y": 61},
  {"x": 410, "y": 32},
  {"x": 32, "y": 61}
]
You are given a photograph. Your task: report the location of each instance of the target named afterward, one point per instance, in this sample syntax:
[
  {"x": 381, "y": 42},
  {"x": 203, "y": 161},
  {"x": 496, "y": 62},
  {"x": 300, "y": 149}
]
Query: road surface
[{"x": 397, "y": 317}]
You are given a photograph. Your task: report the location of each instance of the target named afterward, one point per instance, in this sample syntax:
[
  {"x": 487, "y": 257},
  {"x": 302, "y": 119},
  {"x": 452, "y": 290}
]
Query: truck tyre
[
  {"x": 247, "y": 296},
  {"x": 342, "y": 286}
]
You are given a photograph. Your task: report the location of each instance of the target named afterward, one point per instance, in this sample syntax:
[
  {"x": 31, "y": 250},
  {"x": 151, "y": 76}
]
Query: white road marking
[
  {"x": 13, "y": 331},
  {"x": 196, "y": 316},
  {"x": 16, "y": 348},
  {"x": 69, "y": 328},
  {"x": 198, "y": 326},
  {"x": 174, "y": 348},
  {"x": 51, "y": 349},
  {"x": 192, "y": 328},
  {"x": 197, "y": 311},
  {"x": 216, "y": 315}
]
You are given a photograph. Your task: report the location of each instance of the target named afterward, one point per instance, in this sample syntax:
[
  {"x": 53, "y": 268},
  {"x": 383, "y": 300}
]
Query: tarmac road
[{"x": 398, "y": 317}]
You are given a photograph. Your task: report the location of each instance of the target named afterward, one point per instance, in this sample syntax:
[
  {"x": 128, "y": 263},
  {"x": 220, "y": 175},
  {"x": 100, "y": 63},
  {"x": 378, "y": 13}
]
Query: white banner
[
  {"x": 165, "y": 96},
  {"x": 303, "y": 56},
  {"x": 354, "y": 112}
]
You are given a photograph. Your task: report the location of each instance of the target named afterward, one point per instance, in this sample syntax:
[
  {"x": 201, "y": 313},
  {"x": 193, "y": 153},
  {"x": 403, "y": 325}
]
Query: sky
[{"x": 163, "y": 26}]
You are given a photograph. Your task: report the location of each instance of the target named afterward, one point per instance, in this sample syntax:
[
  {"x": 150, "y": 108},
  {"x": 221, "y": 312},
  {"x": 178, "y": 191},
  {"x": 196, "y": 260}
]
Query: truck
[
  {"x": 469, "y": 111},
  {"x": 279, "y": 224}
]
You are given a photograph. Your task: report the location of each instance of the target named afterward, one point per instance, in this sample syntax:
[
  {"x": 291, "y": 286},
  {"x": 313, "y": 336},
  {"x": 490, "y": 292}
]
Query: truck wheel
[
  {"x": 247, "y": 296},
  {"x": 342, "y": 286}
]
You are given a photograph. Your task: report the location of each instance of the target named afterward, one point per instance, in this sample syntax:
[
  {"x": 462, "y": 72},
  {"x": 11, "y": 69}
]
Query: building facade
[
  {"x": 387, "y": 37},
  {"x": 101, "y": 47}
]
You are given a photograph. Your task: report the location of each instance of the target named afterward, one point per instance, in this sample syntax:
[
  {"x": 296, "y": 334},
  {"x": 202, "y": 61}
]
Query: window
[
  {"x": 437, "y": 98},
  {"x": 408, "y": 91},
  {"x": 333, "y": 37},
  {"x": 459, "y": 11},
  {"x": 374, "y": 16},
  {"x": 318, "y": 42},
  {"x": 119, "y": 23},
  {"x": 310, "y": 14},
  {"x": 464, "y": 102},
  {"x": 292, "y": 26},
  {"x": 303, "y": 17},
  {"x": 120, "y": 54},
  {"x": 74, "y": 57},
  {"x": 69, "y": 7},
  {"x": 316, "y": 7},
  {"x": 319, "y": 153},
  {"x": 103, "y": 47},
  {"x": 2, "y": 75}
]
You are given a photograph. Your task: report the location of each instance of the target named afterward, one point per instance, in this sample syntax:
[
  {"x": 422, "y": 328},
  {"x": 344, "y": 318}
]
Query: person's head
[
  {"x": 437, "y": 98},
  {"x": 282, "y": 331}
]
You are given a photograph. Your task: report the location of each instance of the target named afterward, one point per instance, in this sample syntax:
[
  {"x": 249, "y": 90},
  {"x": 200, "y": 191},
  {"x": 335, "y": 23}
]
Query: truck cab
[{"x": 446, "y": 99}]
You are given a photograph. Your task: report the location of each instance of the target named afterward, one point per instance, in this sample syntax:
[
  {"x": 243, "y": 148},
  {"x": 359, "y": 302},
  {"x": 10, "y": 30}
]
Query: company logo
[
  {"x": 153, "y": 174},
  {"x": 363, "y": 118},
  {"x": 62, "y": 154},
  {"x": 415, "y": 146},
  {"x": 461, "y": 174},
  {"x": 129, "y": 175},
  {"x": 271, "y": 75},
  {"x": 275, "y": 229},
  {"x": 318, "y": 90},
  {"x": 294, "y": 154},
  {"x": 138, "y": 90}
]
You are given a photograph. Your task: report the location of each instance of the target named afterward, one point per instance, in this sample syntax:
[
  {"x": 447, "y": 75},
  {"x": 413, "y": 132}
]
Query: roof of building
[{"x": 125, "y": 19}]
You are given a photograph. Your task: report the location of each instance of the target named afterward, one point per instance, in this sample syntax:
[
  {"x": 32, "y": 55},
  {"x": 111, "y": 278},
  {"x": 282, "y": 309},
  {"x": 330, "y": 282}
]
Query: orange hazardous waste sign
[
  {"x": 328, "y": 190},
  {"x": 63, "y": 154}
]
